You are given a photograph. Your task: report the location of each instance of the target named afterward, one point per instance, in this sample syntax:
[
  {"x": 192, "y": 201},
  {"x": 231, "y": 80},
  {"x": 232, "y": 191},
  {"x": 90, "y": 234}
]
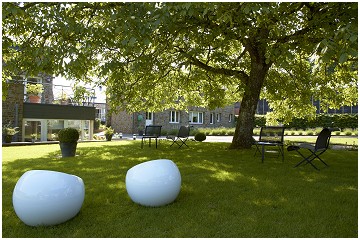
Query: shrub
[
  {"x": 68, "y": 135},
  {"x": 309, "y": 132},
  {"x": 109, "y": 130},
  {"x": 173, "y": 132},
  {"x": 34, "y": 89},
  {"x": 200, "y": 136},
  {"x": 348, "y": 131}
]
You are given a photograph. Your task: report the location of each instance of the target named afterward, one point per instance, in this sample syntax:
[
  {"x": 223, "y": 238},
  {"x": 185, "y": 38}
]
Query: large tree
[{"x": 155, "y": 56}]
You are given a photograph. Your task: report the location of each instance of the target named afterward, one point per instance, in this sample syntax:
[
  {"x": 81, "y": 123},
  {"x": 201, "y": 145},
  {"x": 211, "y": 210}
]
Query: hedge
[{"x": 321, "y": 120}]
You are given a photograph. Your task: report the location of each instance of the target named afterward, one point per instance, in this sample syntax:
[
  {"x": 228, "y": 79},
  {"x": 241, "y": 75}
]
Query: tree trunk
[{"x": 244, "y": 128}]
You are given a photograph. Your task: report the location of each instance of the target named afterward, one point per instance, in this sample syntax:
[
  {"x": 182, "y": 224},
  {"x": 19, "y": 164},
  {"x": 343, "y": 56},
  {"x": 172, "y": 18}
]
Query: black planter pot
[
  {"x": 68, "y": 149},
  {"x": 108, "y": 137},
  {"x": 8, "y": 138}
]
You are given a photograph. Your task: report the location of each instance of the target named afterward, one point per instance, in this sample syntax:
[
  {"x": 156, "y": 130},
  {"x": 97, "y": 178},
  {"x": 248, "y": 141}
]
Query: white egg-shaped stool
[
  {"x": 43, "y": 198},
  {"x": 154, "y": 183}
]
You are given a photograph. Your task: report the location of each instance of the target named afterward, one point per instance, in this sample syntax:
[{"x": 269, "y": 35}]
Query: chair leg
[
  {"x": 317, "y": 156},
  {"x": 307, "y": 160},
  {"x": 257, "y": 149},
  {"x": 183, "y": 143}
]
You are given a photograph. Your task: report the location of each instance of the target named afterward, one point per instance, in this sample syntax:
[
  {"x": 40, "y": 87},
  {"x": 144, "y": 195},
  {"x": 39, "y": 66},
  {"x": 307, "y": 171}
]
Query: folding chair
[
  {"x": 181, "y": 138},
  {"x": 270, "y": 136},
  {"x": 151, "y": 131},
  {"x": 321, "y": 145}
]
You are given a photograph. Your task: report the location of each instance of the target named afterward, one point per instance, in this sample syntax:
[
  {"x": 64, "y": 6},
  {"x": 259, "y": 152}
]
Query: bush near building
[{"x": 321, "y": 120}]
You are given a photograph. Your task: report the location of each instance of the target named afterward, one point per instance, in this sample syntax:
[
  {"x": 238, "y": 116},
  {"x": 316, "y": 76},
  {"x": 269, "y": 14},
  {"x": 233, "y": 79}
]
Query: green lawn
[
  {"x": 224, "y": 193},
  {"x": 334, "y": 140}
]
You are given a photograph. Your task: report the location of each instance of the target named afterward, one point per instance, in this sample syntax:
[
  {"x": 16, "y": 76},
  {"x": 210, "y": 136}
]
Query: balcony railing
[{"x": 63, "y": 95}]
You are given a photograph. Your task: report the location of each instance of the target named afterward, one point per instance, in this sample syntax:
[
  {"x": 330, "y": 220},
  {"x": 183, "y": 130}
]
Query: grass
[
  {"x": 334, "y": 140},
  {"x": 224, "y": 193}
]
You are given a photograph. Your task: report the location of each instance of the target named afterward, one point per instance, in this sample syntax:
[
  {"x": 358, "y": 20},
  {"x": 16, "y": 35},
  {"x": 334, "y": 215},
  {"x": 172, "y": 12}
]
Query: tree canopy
[{"x": 155, "y": 56}]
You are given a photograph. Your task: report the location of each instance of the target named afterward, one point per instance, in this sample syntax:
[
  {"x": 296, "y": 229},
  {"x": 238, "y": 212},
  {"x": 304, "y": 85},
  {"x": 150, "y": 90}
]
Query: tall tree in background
[{"x": 155, "y": 56}]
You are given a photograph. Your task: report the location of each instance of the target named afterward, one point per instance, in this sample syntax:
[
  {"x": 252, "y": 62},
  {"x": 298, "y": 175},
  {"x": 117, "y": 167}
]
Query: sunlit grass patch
[{"x": 224, "y": 193}]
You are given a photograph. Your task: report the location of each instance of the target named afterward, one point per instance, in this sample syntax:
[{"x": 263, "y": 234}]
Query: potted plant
[
  {"x": 9, "y": 132},
  {"x": 33, "y": 91},
  {"x": 109, "y": 132},
  {"x": 68, "y": 138},
  {"x": 33, "y": 137},
  {"x": 63, "y": 99}
]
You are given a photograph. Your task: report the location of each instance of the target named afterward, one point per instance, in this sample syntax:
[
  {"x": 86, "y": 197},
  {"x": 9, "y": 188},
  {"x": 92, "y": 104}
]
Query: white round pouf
[
  {"x": 154, "y": 183},
  {"x": 43, "y": 197}
]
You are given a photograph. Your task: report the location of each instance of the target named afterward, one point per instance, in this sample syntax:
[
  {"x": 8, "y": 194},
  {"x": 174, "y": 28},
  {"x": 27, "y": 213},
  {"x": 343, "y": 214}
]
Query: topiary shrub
[
  {"x": 200, "y": 136},
  {"x": 68, "y": 135}
]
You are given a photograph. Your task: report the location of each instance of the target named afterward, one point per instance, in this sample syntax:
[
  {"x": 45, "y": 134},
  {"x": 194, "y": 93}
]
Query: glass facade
[{"x": 48, "y": 129}]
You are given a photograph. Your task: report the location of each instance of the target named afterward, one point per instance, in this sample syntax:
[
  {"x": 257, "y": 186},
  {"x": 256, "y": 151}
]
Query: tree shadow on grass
[{"x": 224, "y": 193}]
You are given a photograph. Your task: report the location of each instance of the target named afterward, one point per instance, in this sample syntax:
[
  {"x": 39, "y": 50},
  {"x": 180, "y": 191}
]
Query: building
[
  {"x": 49, "y": 116},
  {"x": 196, "y": 117}
]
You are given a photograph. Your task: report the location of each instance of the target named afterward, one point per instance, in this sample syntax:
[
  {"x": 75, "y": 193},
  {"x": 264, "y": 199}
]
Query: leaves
[{"x": 161, "y": 55}]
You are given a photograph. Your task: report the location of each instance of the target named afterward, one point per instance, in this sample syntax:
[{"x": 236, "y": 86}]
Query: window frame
[
  {"x": 174, "y": 115},
  {"x": 198, "y": 115},
  {"x": 218, "y": 117},
  {"x": 211, "y": 118}
]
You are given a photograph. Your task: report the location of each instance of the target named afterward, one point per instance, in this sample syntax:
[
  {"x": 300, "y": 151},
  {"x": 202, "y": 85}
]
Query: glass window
[
  {"x": 196, "y": 117},
  {"x": 230, "y": 117},
  {"x": 218, "y": 117},
  {"x": 148, "y": 115},
  {"x": 211, "y": 118},
  {"x": 32, "y": 127},
  {"x": 174, "y": 116}
]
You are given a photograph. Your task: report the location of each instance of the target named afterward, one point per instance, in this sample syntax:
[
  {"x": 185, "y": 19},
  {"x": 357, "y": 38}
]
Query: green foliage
[
  {"x": 68, "y": 135},
  {"x": 109, "y": 130},
  {"x": 326, "y": 120},
  {"x": 8, "y": 130},
  {"x": 200, "y": 136},
  {"x": 34, "y": 89},
  {"x": 156, "y": 56},
  {"x": 320, "y": 120},
  {"x": 215, "y": 183}
]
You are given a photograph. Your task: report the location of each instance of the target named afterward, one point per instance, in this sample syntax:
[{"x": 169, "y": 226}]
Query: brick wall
[
  {"x": 163, "y": 118},
  {"x": 12, "y": 107},
  {"x": 128, "y": 123},
  {"x": 122, "y": 122}
]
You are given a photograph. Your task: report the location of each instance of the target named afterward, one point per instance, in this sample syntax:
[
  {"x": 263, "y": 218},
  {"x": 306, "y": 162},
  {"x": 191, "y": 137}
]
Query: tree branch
[{"x": 228, "y": 72}]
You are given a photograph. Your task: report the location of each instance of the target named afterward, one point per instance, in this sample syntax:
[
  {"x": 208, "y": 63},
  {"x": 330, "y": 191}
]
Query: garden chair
[
  {"x": 270, "y": 136},
  {"x": 321, "y": 145},
  {"x": 151, "y": 131},
  {"x": 181, "y": 138}
]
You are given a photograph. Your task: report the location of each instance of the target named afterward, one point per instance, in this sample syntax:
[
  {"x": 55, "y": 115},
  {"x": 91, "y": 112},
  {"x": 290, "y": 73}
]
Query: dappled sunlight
[
  {"x": 254, "y": 180},
  {"x": 222, "y": 175},
  {"x": 312, "y": 176},
  {"x": 273, "y": 201},
  {"x": 222, "y": 188},
  {"x": 345, "y": 188}
]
